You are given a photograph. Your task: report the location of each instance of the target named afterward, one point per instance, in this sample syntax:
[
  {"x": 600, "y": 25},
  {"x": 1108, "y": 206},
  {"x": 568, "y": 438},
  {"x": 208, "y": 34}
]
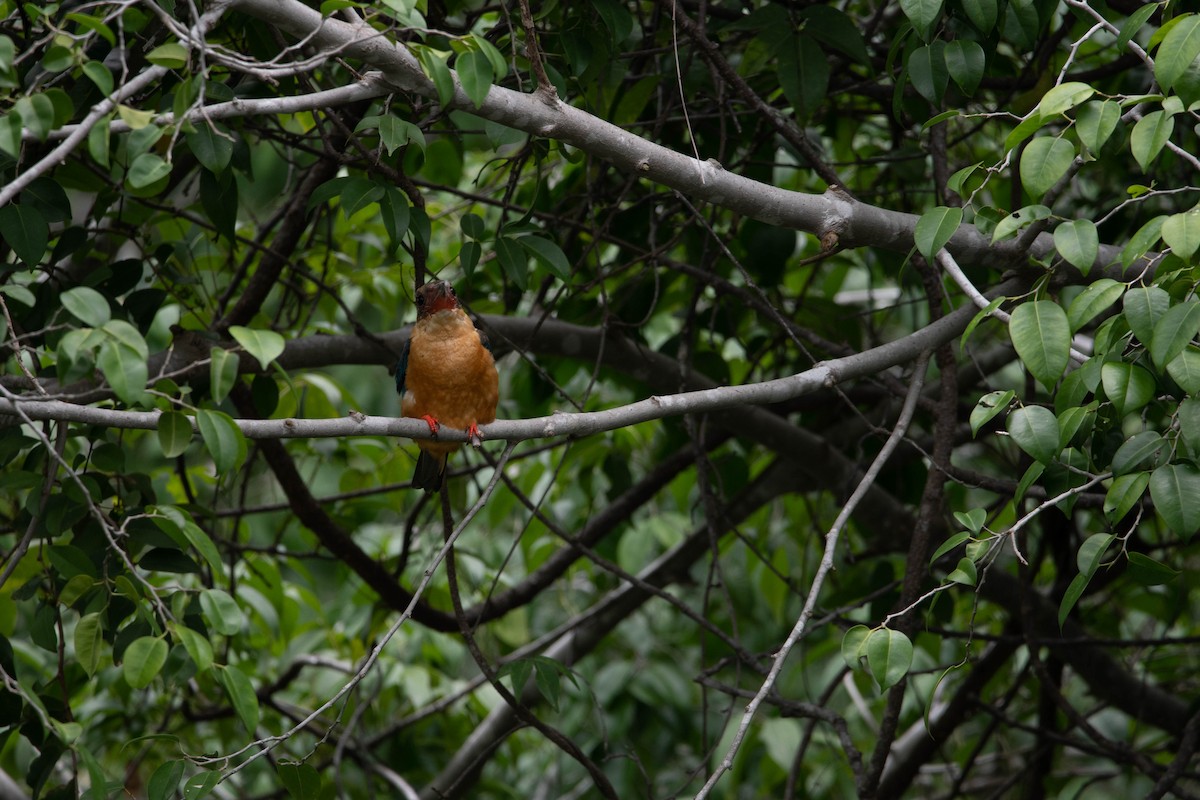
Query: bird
[{"x": 446, "y": 376}]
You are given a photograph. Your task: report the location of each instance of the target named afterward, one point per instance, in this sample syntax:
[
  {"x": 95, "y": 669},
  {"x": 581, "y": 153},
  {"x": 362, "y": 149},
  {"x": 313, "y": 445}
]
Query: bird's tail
[{"x": 430, "y": 472}]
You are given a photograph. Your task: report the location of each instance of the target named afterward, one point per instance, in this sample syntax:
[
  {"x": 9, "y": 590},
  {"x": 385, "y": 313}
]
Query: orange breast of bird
[{"x": 451, "y": 376}]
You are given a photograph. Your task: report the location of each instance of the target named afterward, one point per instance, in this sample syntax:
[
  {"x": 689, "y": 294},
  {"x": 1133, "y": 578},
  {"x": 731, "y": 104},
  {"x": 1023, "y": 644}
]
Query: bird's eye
[{"x": 420, "y": 298}]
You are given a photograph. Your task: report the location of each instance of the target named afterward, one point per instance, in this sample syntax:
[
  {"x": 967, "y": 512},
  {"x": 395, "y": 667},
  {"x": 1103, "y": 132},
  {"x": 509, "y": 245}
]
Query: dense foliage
[{"x": 849, "y": 438}]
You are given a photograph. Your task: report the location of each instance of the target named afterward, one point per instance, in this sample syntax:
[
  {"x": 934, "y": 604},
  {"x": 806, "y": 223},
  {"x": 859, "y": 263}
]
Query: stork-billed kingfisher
[{"x": 446, "y": 376}]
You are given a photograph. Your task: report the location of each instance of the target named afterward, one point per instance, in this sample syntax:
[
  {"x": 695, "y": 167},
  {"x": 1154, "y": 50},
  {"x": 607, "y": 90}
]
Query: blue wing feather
[{"x": 402, "y": 367}]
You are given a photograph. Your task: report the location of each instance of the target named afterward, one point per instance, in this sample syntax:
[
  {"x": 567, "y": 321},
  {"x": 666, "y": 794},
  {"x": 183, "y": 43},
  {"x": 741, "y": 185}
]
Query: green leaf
[
  {"x": 1144, "y": 306},
  {"x": 1184, "y": 369},
  {"x": 965, "y": 573},
  {"x": 89, "y": 642},
  {"x": 144, "y": 659},
  {"x": 1094, "y": 299},
  {"x": 1134, "y": 24},
  {"x": 266, "y": 346},
  {"x": 86, "y": 305},
  {"x": 223, "y": 439},
  {"x": 1078, "y": 242},
  {"x": 1128, "y": 386},
  {"x": 1019, "y": 219},
  {"x": 1035, "y": 430},
  {"x": 972, "y": 520},
  {"x": 434, "y": 65},
  {"x": 1136, "y": 451},
  {"x": 212, "y": 145},
  {"x": 889, "y": 656},
  {"x": 1178, "y": 50},
  {"x": 171, "y": 55},
  {"x": 174, "y": 433},
  {"x": 1124, "y": 493},
  {"x": 934, "y": 229},
  {"x": 221, "y": 612},
  {"x": 1174, "y": 489},
  {"x": 982, "y": 13},
  {"x": 549, "y": 255},
  {"x": 223, "y": 372},
  {"x": 125, "y": 370},
  {"x": 475, "y": 72},
  {"x": 1149, "y": 136},
  {"x": 1091, "y": 552},
  {"x": 965, "y": 60},
  {"x": 1064, "y": 97},
  {"x": 1042, "y": 337},
  {"x": 199, "y": 648},
  {"x": 1096, "y": 121},
  {"x": 983, "y": 313},
  {"x": 147, "y": 169},
  {"x": 1071, "y": 597},
  {"x": 928, "y": 72},
  {"x": 923, "y": 14},
  {"x": 1148, "y": 572},
  {"x": 1141, "y": 242},
  {"x": 514, "y": 259},
  {"x": 1182, "y": 233},
  {"x": 302, "y": 781},
  {"x": 948, "y": 545},
  {"x": 201, "y": 784},
  {"x": 356, "y": 194},
  {"x": 164, "y": 782},
  {"x": 1173, "y": 331},
  {"x": 241, "y": 694},
  {"x": 26, "y": 231},
  {"x": 1043, "y": 162},
  {"x": 854, "y": 642},
  {"x": 803, "y": 73},
  {"x": 988, "y": 407}
]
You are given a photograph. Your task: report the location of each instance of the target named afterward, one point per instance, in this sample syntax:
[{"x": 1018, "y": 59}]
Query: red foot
[
  {"x": 433, "y": 424},
  {"x": 474, "y": 436}
]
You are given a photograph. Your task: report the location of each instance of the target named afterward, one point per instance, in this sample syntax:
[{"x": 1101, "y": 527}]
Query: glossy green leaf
[
  {"x": 1144, "y": 306},
  {"x": 854, "y": 641},
  {"x": 1149, "y": 136},
  {"x": 212, "y": 145},
  {"x": 1035, "y": 430},
  {"x": 965, "y": 60},
  {"x": 475, "y": 72},
  {"x": 1142, "y": 241},
  {"x": 928, "y": 71},
  {"x": 223, "y": 372},
  {"x": 1019, "y": 219},
  {"x": 1064, "y": 97},
  {"x": 1096, "y": 298},
  {"x": 514, "y": 260},
  {"x": 221, "y": 611},
  {"x": 1137, "y": 451},
  {"x": 434, "y": 65},
  {"x": 1042, "y": 337},
  {"x": 1071, "y": 596},
  {"x": 174, "y": 433},
  {"x": 241, "y": 694},
  {"x": 146, "y": 170},
  {"x": 143, "y": 660},
  {"x": 1096, "y": 121},
  {"x": 223, "y": 439},
  {"x": 164, "y": 782},
  {"x": 934, "y": 229},
  {"x": 86, "y": 305},
  {"x": 199, "y": 648},
  {"x": 171, "y": 55},
  {"x": 1178, "y": 50},
  {"x": 1184, "y": 369},
  {"x": 1128, "y": 386},
  {"x": 1174, "y": 331},
  {"x": 1181, "y": 232},
  {"x": 125, "y": 370},
  {"x": 548, "y": 254},
  {"x": 1043, "y": 162},
  {"x": 988, "y": 407},
  {"x": 1124, "y": 493},
  {"x": 89, "y": 642},
  {"x": 1078, "y": 242},
  {"x": 965, "y": 573},
  {"x": 948, "y": 545},
  {"x": 266, "y": 346},
  {"x": 1174, "y": 489},
  {"x": 923, "y": 14},
  {"x": 889, "y": 656}
]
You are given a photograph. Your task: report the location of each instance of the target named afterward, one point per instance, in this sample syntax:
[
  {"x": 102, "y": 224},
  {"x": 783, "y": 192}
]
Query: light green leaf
[
  {"x": 1141, "y": 242},
  {"x": 199, "y": 648},
  {"x": 1043, "y": 162},
  {"x": 1019, "y": 219},
  {"x": 475, "y": 72},
  {"x": 1064, "y": 97},
  {"x": 266, "y": 346},
  {"x": 1042, "y": 337},
  {"x": 241, "y": 694},
  {"x": 1096, "y": 121},
  {"x": 1174, "y": 489},
  {"x": 147, "y": 169},
  {"x": 1184, "y": 369},
  {"x": 174, "y": 433},
  {"x": 889, "y": 656},
  {"x": 221, "y": 612},
  {"x": 853, "y": 643},
  {"x": 1128, "y": 386},
  {"x": 201, "y": 784},
  {"x": 223, "y": 372},
  {"x": 948, "y": 545},
  {"x": 86, "y": 305},
  {"x": 1174, "y": 331},
  {"x": 125, "y": 370},
  {"x": 1035, "y": 430},
  {"x": 1178, "y": 50},
  {"x": 1149, "y": 136},
  {"x": 1094, "y": 299},
  {"x": 1144, "y": 306},
  {"x": 1182, "y": 233},
  {"x": 1078, "y": 242},
  {"x": 144, "y": 659},
  {"x": 934, "y": 229},
  {"x": 223, "y": 439},
  {"x": 965, "y": 573},
  {"x": 988, "y": 407},
  {"x": 171, "y": 55},
  {"x": 1124, "y": 494}
]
